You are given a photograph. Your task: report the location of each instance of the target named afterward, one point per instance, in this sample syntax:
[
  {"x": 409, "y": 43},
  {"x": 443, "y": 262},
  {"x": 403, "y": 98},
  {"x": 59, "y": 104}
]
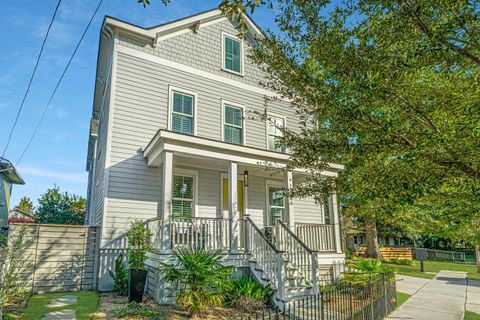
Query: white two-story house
[{"x": 174, "y": 142}]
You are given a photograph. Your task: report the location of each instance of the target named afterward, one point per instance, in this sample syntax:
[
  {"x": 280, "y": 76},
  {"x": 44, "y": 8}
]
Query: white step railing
[
  {"x": 266, "y": 256},
  {"x": 318, "y": 237},
  {"x": 297, "y": 253},
  {"x": 200, "y": 233}
]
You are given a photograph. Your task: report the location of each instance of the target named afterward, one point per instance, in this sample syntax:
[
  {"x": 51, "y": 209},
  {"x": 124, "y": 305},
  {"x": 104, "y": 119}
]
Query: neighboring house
[
  {"x": 172, "y": 140},
  {"x": 17, "y": 215},
  {"x": 8, "y": 176}
]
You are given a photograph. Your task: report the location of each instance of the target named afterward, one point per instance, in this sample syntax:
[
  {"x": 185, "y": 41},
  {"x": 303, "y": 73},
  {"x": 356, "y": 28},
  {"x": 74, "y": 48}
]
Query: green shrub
[
  {"x": 247, "y": 294},
  {"x": 202, "y": 277},
  {"x": 139, "y": 244},
  {"x": 372, "y": 266},
  {"x": 401, "y": 262},
  {"x": 119, "y": 276}
]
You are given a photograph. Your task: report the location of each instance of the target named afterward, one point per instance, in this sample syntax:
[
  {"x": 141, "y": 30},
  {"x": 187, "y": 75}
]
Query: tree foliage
[
  {"x": 60, "y": 208},
  {"x": 25, "y": 204},
  {"x": 391, "y": 89},
  {"x": 139, "y": 244}
]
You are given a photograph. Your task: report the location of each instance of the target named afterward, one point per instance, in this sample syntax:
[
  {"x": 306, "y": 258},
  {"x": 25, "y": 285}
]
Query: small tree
[
  {"x": 13, "y": 265},
  {"x": 139, "y": 244},
  {"x": 25, "y": 204},
  {"x": 60, "y": 208}
]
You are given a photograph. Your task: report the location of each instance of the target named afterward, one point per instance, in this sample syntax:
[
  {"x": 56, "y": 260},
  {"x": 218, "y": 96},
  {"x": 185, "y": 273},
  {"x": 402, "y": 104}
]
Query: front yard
[
  {"x": 432, "y": 267},
  {"x": 38, "y": 305}
]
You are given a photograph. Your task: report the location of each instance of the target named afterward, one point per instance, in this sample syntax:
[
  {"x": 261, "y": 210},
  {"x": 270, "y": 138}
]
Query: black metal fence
[{"x": 370, "y": 298}]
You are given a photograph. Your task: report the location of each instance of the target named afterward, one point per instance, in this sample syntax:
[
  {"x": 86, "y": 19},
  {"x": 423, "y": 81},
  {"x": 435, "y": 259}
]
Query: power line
[
  {"x": 31, "y": 79},
  {"x": 58, "y": 83}
]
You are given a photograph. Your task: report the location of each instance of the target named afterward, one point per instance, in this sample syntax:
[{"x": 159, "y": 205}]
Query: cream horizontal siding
[
  {"x": 256, "y": 200},
  {"x": 307, "y": 211},
  {"x": 208, "y": 193}
]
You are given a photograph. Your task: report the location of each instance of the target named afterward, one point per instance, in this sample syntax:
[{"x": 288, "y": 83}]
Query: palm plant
[
  {"x": 372, "y": 266},
  {"x": 247, "y": 294},
  {"x": 201, "y": 276}
]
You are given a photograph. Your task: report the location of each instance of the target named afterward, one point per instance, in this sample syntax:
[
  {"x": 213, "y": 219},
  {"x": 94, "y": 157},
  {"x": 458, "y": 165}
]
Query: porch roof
[{"x": 193, "y": 146}]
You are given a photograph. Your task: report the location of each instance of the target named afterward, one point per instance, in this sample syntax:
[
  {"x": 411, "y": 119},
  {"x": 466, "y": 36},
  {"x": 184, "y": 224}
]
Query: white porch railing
[
  {"x": 318, "y": 237},
  {"x": 297, "y": 253},
  {"x": 155, "y": 226},
  {"x": 266, "y": 256},
  {"x": 200, "y": 233}
]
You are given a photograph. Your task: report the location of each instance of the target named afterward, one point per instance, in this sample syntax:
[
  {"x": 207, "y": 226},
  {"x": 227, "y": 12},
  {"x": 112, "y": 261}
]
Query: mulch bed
[{"x": 114, "y": 307}]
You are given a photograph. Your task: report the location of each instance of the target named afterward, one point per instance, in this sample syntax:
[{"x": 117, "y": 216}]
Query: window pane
[
  {"x": 276, "y": 197},
  {"x": 232, "y": 54},
  {"x": 181, "y": 208},
  {"x": 182, "y": 124},
  {"x": 233, "y": 134},
  {"x": 233, "y": 116},
  {"x": 276, "y": 213},
  {"x": 183, "y": 187},
  {"x": 183, "y": 103}
]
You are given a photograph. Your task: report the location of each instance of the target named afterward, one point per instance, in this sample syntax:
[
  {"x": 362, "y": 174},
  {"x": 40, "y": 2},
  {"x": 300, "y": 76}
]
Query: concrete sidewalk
[
  {"x": 473, "y": 296},
  {"x": 442, "y": 298}
]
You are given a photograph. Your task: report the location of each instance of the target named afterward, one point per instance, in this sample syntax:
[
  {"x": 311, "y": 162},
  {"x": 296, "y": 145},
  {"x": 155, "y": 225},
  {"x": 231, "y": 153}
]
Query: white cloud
[{"x": 65, "y": 176}]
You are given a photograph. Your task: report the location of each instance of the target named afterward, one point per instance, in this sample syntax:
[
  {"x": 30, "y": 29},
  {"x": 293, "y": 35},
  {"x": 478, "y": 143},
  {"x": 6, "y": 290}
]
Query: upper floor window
[
  {"x": 274, "y": 131},
  {"x": 233, "y": 129},
  {"x": 232, "y": 54},
  {"x": 182, "y": 111}
]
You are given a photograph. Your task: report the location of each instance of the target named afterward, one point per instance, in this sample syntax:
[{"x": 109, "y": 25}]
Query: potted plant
[{"x": 139, "y": 244}]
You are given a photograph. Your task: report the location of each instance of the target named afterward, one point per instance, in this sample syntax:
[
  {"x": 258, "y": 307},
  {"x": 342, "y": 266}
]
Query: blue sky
[{"x": 58, "y": 152}]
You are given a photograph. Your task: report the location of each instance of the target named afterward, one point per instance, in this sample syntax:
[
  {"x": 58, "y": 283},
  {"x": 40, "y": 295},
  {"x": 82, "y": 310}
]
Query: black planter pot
[{"x": 136, "y": 284}]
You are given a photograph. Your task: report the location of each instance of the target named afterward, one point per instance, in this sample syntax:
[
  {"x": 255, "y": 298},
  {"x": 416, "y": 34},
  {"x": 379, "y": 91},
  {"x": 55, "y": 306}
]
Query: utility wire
[
  {"x": 58, "y": 83},
  {"x": 31, "y": 79}
]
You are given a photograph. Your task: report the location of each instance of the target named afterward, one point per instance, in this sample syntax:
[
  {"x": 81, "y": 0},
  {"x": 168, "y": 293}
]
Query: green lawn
[
  {"x": 87, "y": 304},
  {"x": 471, "y": 316},
  {"x": 401, "y": 298},
  {"x": 435, "y": 266}
]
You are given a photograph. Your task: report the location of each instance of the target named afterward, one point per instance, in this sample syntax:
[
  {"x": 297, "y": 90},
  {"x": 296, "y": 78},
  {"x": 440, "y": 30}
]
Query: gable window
[
  {"x": 183, "y": 196},
  {"x": 182, "y": 118},
  {"x": 274, "y": 131},
  {"x": 233, "y": 124},
  {"x": 232, "y": 54},
  {"x": 276, "y": 204}
]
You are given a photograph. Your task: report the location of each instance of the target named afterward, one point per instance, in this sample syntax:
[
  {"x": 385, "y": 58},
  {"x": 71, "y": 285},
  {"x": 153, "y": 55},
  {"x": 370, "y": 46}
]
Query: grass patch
[
  {"x": 469, "y": 315},
  {"x": 87, "y": 304},
  {"x": 436, "y": 266},
  {"x": 401, "y": 298}
]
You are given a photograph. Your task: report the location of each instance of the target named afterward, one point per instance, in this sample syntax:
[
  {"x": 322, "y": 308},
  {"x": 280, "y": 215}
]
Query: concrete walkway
[
  {"x": 65, "y": 314},
  {"x": 473, "y": 296},
  {"x": 442, "y": 298}
]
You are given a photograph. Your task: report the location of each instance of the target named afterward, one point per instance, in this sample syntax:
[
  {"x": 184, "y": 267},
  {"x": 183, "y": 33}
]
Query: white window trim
[
  {"x": 236, "y": 38},
  {"x": 244, "y": 123},
  {"x": 275, "y": 184},
  {"x": 171, "y": 90},
  {"x": 194, "y": 175},
  {"x": 273, "y": 115},
  {"x": 224, "y": 175}
]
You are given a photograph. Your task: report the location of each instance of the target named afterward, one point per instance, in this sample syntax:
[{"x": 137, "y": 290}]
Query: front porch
[{"x": 224, "y": 197}]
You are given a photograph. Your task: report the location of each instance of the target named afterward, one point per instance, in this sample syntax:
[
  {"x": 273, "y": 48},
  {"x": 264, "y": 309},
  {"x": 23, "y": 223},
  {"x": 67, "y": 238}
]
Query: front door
[{"x": 225, "y": 198}]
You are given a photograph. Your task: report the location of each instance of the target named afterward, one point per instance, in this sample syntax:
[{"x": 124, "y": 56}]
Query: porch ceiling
[{"x": 199, "y": 152}]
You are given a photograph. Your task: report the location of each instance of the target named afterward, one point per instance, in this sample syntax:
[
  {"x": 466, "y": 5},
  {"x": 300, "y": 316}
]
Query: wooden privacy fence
[
  {"x": 60, "y": 257},
  {"x": 390, "y": 252}
]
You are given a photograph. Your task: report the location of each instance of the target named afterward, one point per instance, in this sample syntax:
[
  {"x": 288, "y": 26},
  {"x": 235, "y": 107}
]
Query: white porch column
[
  {"x": 233, "y": 206},
  {"x": 167, "y": 177},
  {"x": 336, "y": 224},
  {"x": 289, "y": 185}
]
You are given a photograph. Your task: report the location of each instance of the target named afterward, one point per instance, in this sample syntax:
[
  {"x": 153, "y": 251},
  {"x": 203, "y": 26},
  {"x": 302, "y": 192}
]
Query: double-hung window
[
  {"x": 232, "y": 54},
  {"x": 183, "y": 196},
  {"x": 276, "y": 204},
  {"x": 233, "y": 124},
  {"x": 182, "y": 112},
  {"x": 274, "y": 132}
]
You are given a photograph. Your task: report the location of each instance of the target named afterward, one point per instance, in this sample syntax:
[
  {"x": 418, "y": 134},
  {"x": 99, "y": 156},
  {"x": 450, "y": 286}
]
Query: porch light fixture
[{"x": 245, "y": 178}]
